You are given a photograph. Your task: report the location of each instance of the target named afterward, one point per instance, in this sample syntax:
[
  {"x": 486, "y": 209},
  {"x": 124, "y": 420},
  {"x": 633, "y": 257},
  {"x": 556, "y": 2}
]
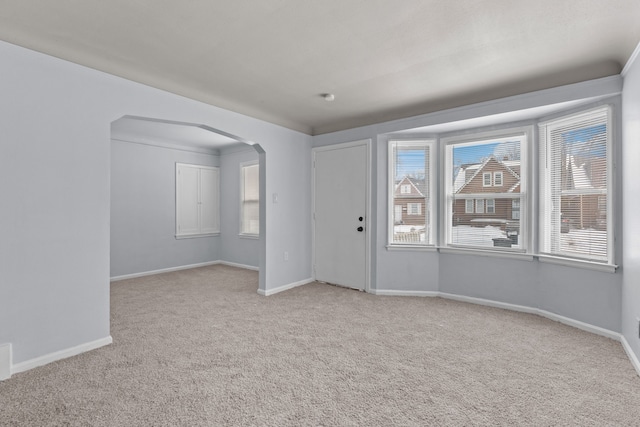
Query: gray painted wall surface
[
  {"x": 631, "y": 160},
  {"x": 236, "y": 249},
  {"x": 497, "y": 279},
  {"x": 55, "y": 183},
  {"x": 143, "y": 213}
]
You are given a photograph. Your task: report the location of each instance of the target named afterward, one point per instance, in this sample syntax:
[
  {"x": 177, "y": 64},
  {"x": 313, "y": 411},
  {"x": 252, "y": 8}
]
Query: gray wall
[
  {"x": 584, "y": 295},
  {"x": 631, "y": 160},
  {"x": 143, "y": 212},
  {"x": 234, "y": 248},
  {"x": 55, "y": 184}
]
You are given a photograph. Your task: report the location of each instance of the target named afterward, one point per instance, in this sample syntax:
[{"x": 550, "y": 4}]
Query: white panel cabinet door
[
  {"x": 210, "y": 200},
  {"x": 187, "y": 197},
  {"x": 197, "y": 200}
]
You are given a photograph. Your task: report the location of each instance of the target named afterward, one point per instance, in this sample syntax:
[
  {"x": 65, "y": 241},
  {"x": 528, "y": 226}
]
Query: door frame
[{"x": 368, "y": 222}]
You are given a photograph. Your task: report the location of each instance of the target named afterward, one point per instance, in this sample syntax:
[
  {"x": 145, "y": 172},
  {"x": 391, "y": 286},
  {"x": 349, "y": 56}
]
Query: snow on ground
[
  {"x": 584, "y": 242},
  {"x": 587, "y": 242},
  {"x": 409, "y": 234},
  {"x": 475, "y": 236}
]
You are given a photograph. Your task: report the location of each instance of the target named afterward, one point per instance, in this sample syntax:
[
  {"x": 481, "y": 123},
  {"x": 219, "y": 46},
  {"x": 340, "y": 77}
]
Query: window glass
[
  {"x": 469, "y": 206},
  {"x": 491, "y": 206},
  {"x": 250, "y": 199},
  {"x": 574, "y": 186},
  {"x": 411, "y": 187},
  {"x": 497, "y": 179},
  {"x": 488, "y": 172},
  {"x": 486, "y": 179}
]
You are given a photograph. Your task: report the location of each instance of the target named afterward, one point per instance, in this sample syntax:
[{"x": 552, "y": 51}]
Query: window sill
[
  {"x": 195, "y": 236},
  {"x": 419, "y": 248},
  {"x": 569, "y": 262},
  {"x": 249, "y": 236},
  {"x": 578, "y": 263},
  {"x": 487, "y": 253}
]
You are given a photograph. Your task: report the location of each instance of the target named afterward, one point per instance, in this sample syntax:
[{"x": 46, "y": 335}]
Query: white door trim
[{"x": 368, "y": 222}]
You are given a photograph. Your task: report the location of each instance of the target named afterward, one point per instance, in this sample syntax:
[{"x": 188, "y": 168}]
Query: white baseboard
[
  {"x": 59, "y": 355},
  {"x": 532, "y": 310},
  {"x": 235, "y": 264},
  {"x": 395, "y": 293},
  {"x": 630, "y": 354},
  {"x": 5, "y": 361},
  {"x": 507, "y": 306},
  {"x": 284, "y": 287},
  {"x": 489, "y": 303},
  {"x": 581, "y": 325},
  {"x": 182, "y": 267}
]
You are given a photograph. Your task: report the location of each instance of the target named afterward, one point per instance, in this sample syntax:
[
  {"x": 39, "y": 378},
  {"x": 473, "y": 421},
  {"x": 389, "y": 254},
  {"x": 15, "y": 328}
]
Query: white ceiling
[{"x": 383, "y": 59}]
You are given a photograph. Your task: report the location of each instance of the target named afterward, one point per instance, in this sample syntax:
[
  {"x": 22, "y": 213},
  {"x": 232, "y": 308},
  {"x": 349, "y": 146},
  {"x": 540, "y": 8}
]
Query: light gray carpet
[{"x": 202, "y": 348}]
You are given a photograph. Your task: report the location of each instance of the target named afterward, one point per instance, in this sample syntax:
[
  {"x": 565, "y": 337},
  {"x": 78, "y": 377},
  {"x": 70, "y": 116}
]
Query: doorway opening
[{"x": 148, "y": 200}]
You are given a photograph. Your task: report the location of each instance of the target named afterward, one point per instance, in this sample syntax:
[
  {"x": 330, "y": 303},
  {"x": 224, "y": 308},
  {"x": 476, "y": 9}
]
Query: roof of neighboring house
[
  {"x": 509, "y": 165},
  {"x": 419, "y": 185},
  {"x": 586, "y": 174}
]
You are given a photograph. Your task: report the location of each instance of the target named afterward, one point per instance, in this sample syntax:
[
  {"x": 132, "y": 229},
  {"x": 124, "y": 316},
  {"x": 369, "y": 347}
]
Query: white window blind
[
  {"x": 197, "y": 200},
  {"x": 487, "y": 174},
  {"x": 411, "y": 212},
  {"x": 250, "y": 199},
  {"x": 574, "y": 172}
]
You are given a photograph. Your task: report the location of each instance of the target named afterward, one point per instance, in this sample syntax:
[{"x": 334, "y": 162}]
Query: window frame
[
  {"x": 528, "y": 212},
  {"x": 486, "y": 175},
  {"x": 543, "y": 131},
  {"x": 493, "y": 206},
  {"x": 410, "y": 210},
  {"x": 497, "y": 174},
  {"x": 478, "y": 136},
  {"x": 469, "y": 206},
  {"x": 243, "y": 233},
  {"x": 430, "y": 202}
]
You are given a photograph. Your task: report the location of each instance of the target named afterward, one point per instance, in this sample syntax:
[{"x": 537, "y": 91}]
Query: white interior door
[{"x": 340, "y": 215}]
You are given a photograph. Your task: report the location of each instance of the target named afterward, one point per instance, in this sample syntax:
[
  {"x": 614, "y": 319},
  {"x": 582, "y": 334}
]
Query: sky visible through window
[
  {"x": 590, "y": 142},
  {"x": 469, "y": 154},
  {"x": 410, "y": 162}
]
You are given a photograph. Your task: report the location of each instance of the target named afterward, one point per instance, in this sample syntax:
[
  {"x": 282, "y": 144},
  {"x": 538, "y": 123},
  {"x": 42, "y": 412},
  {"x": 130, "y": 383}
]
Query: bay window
[{"x": 485, "y": 202}]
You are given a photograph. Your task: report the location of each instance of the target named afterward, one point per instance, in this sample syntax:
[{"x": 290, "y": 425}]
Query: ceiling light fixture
[{"x": 328, "y": 97}]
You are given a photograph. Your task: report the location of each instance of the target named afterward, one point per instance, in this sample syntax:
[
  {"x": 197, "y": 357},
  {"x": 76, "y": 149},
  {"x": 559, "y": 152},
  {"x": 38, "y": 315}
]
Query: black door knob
[
  {"x": 360, "y": 229},
  {"x": 360, "y": 219}
]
